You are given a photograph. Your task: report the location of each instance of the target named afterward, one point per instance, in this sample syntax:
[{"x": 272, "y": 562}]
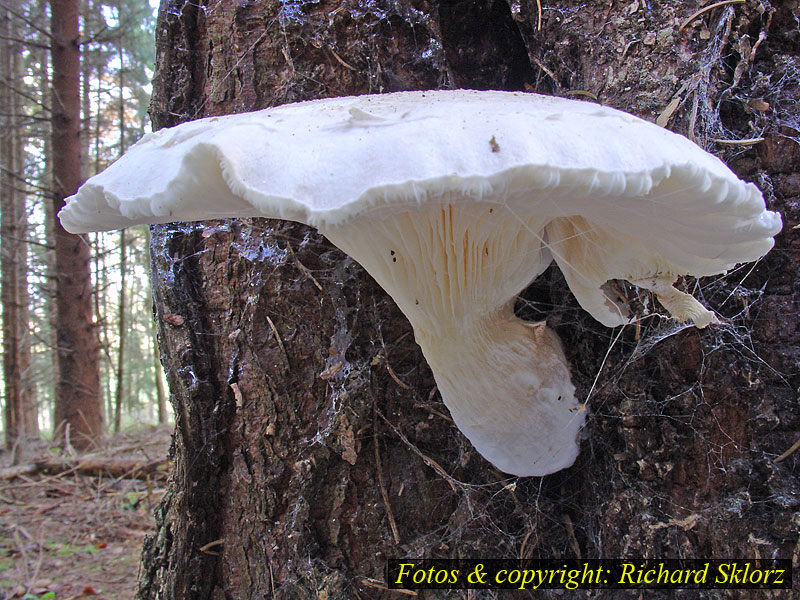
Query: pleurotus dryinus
[{"x": 454, "y": 201}]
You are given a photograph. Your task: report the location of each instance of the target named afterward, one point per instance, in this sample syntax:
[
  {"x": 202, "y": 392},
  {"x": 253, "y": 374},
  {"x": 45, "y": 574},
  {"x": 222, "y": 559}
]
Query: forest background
[{"x": 116, "y": 65}]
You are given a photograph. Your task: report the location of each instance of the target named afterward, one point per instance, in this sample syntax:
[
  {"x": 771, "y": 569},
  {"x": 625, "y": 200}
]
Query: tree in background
[
  {"x": 20, "y": 408},
  {"x": 78, "y": 409},
  {"x": 115, "y": 79}
]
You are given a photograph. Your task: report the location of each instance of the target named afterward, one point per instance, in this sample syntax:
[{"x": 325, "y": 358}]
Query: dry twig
[
  {"x": 743, "y": 142},
  {"x": 206, "y": 548},
  {"x": 384, "y": 494},
  {"x": 426, "y": 459},
  {"x": 405, "y": 386},
  {"x": 573, "y": 541},
  {"x": 789, "y": 452},
  {"x": 539, "y": 13},
  {"x": 705, "y": 9},
  {"x": 585, "y": 93},
  {"x": 544, "y": 68},
  {"x": 303, "y": 268},
  {"x": 531, "y": 531},
  {"x": 372, "y": 583},
  {"x": 278, "y": 337},
  {"x": 341, "y": 62}
]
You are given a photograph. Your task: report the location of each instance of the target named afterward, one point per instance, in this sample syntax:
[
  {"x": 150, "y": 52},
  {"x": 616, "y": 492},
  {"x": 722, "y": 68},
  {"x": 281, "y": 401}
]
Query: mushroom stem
[
  {"x": 455, "y": 270},
  {"x": 507, "y": 385}
]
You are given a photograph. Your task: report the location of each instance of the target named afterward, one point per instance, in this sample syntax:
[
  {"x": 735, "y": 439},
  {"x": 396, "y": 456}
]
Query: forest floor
[{"x": 67, "y": 535}]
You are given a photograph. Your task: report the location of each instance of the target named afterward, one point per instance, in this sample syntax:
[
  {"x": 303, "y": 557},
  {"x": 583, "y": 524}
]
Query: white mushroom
[{"x": 454, "y": 201}]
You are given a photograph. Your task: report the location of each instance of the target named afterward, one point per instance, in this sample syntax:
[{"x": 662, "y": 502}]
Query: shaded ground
[{"x": 75, "y": 536}]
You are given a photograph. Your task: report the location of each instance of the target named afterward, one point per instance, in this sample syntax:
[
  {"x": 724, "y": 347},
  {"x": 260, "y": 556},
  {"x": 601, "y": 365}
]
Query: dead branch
[{"x": 89, "y": 465}]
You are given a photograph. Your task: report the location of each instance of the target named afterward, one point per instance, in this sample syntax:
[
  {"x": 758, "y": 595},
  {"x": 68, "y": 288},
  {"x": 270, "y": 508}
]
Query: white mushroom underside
[{"x": 455, "y": 270}]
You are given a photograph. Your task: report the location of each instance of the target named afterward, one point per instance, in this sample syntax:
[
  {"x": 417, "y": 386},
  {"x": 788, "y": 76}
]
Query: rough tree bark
[
  {"x": 303, "y": 406},
  {"x": 161, "y": 392},
  {"x": 78, "y": 411}
]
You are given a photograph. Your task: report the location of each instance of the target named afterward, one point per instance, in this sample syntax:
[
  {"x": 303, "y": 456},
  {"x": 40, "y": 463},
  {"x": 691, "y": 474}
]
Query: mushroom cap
[{"x": 327, "y": 162}]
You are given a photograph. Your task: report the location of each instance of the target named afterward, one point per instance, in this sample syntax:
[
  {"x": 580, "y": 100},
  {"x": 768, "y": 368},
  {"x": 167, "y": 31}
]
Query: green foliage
[
  {"x": 45, "y": 596},
  {"x": 70, "y": 550}
]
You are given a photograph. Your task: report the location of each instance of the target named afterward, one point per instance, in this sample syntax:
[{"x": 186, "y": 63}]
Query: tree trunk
[
  {"x": 28, "y": 401},
  {"x": 310, "y": 442},
  {"x": 78, "y": 411},
  {"x": 9, "y": 237},
  {"x": 119, "y": 394},
  {"x": 50, "y": 224},
  {"x": 20, "y": 410}
]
